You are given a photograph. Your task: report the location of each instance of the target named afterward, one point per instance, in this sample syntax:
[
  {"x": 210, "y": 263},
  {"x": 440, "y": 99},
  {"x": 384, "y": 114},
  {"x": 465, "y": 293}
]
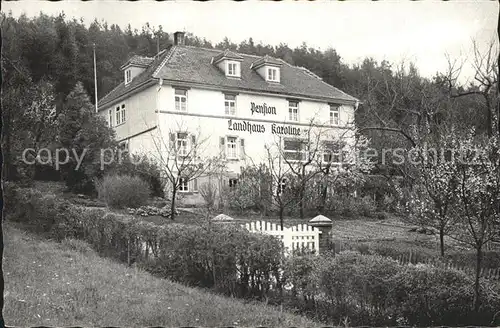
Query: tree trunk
[
  {"x": 322, "y": 204},
  {"x": 301, "y": 203},
  {"x": 441, "y": 240},
  {"x": 479, "y": 256},
  {"x": 302, "y": 192},
  {"x": 281, "y": 216},
  {"x": 172, "y": 203}
]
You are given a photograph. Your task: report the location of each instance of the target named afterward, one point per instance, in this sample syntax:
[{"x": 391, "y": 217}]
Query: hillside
[{"x": 53, "y": 284}]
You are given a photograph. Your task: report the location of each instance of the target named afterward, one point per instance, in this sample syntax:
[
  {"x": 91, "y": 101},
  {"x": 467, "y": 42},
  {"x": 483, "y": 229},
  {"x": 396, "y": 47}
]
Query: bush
[
  {"x": 228, "y": 259},
  {"x": 253, "y": 190},
  {"x": 430, "y": 296},
  {"x": 351, "y": 206},
  {"x": 377, "y": 290},
  {"x": 142, "y": 168},
  {"x": 151, "y": 211},
  {"x": 119, "y": 191}
]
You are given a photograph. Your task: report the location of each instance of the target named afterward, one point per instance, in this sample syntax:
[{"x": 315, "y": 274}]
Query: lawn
[{"x": 52, "y": 284}]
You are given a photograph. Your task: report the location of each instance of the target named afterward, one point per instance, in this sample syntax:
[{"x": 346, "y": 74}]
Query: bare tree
[
  {"x": 182, "y": 159},
  {"x": 280, "y": 181},
  {"x": 341, "y": 160},
  {"x": 484, "y": 87}
]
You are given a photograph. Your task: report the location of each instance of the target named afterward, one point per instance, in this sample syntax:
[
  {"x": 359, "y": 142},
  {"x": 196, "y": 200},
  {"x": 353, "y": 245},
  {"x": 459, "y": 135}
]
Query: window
[
  {"x": 272, "y": 74},
  {"x": 233, "y": 69},
  {"x": 230, "y": 104},
  {"x": 128, "y": 76},
  {"x": 281, "y": 186},
  {"x": 123, "y": 113},
  {"x": 110, "y": 118},
  {"x": 232, "y": 148},
  {"x": 181, "y": 100},
  {"x": 334, "y": 115},
  {"x": 293, "y": 111},
  {"x": 332, "y": 153},
  {"x": 228, "y": 147},
  {"x": 233, "y": 183},
  {"x": 183, "y": 185},
  {"x": 293, "y": 150},
  {"x": 119, "y": 115},
  {"x": 123, "y": 145},
  {"x": 182, "y": 144}
]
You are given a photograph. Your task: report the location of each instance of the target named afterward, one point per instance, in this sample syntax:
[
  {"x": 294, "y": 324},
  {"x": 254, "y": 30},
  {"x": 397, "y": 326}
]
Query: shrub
[
  {"x": 253, "y": 190},
  {"x": 151, "y": 211},
  {"x": 351, "y": 206},
  {"x": 140, "y": 167},
  {"x": 211, "y": 256},
  {"x": 377, "y": 290},
  {"x": 119, "y": 191},
  {"x": 430, "y": 296}
]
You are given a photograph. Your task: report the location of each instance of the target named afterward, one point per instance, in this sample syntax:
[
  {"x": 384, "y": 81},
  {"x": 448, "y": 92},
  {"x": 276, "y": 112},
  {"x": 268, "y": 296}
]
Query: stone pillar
[{"x": 324, "y": 225}]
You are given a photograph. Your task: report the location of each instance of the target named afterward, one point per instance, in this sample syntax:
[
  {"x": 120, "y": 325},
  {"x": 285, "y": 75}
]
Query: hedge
[
  {"x": 225, "y": 258},
  {"x": 375, "y": 290}
]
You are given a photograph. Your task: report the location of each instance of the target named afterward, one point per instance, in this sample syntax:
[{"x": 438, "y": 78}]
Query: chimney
[{"x": 179, "y": 38}]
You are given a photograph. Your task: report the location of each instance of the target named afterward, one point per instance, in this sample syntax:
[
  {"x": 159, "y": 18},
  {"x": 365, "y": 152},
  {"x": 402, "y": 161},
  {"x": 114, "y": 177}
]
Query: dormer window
[
  {"x": 228, "y": 62},
  {"x": 128, "y": 76},
  {"x": 272, "y": 74},
  {"x": 233, "y": 69},
  {"x": 268, "y": 68},
  {"x": 135, "y": 66}
]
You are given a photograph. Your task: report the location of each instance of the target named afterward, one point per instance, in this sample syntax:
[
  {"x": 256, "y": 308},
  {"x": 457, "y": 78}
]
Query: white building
[{"x": 238, "y": 103}]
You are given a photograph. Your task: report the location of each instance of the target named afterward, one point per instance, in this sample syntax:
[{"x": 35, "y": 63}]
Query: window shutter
[
  {"x": 172, "y": 140},
  {"x": 193, "y": 145},
  {"x": 221, "y": 145},
  {"x": 242, "y": 148},
  {"x": 195, "y": 184}
]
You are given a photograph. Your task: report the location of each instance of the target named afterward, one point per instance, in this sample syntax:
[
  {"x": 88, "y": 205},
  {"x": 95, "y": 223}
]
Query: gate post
[{"x": 324, "y": 225}]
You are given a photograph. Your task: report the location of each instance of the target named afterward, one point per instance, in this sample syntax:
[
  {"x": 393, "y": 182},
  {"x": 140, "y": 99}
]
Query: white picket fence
[{"x": 299, "y": 237}]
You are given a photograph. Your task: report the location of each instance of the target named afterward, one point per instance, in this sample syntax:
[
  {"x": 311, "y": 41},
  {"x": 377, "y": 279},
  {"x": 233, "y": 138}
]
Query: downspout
[
  {"x": 158, "y": 130},
  {"x": 160, "y": 84}
]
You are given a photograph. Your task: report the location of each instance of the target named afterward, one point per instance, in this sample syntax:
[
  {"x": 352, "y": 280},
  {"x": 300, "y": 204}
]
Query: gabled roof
[
  {"x": 266, "y": 60},
  {"x": 227, "y": 54},
  {"x": 143, "y": 78},
  {"x": 138, "y": 61},
  {"x": 193, "y": 65}
]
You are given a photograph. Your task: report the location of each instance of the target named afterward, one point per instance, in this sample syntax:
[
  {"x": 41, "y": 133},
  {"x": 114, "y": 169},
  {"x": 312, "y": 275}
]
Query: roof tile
[{"x": 194, "y": 65}]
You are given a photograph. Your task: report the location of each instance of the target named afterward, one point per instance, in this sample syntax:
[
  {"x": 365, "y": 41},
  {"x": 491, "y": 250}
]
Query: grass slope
[{"x": 53, "y": 284}]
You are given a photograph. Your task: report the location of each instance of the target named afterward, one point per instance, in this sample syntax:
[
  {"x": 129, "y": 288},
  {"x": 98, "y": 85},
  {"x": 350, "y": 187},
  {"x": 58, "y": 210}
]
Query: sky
[{"x": 422, "y": 32}]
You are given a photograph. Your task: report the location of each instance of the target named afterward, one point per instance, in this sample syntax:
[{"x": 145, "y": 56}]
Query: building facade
[{"x": 229, "y": 104}]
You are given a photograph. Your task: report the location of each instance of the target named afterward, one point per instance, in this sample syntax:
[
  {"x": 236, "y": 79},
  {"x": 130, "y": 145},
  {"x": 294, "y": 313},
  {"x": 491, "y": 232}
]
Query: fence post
[{"x": 324, "y": 225}]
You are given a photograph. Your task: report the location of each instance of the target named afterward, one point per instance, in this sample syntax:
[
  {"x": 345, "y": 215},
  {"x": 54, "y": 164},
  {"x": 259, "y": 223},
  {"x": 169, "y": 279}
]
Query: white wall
[
  {"x": 206, "y": 118},
  {"x": 140, "y": 113}
]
